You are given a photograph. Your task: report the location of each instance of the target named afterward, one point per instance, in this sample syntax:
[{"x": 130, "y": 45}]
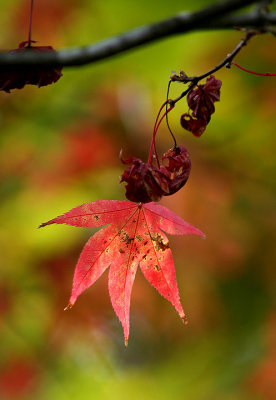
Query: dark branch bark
[{"x": 210, "y": 18}]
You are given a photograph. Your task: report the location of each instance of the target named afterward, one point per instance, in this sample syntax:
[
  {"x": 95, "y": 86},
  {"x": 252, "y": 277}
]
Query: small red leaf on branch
[
  {"x": 177, "y": 164},
  {"x": 196, "y": 126},
  {"x": 18, "y": 77},
  {"x": 201, "y": 101},
  {"x": 135, "y": 237}
]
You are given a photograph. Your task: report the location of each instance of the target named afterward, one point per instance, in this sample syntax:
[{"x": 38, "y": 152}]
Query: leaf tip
[
  {"x": 42, "y": 225},
  {"x": 52, "y": 221},
  {"x": 184, "y": 319},
  {"x": 200, "y": 233},
  {"x": 126, "y": 341},
  {"x": 69, "y": 306},
  {"x": 121, "y": 155}
]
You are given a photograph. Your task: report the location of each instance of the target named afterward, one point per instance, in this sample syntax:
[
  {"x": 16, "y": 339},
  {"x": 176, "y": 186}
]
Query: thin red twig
[
  {"x": 154, "y": 133},
  {"x": 252, "y": 72},
  {"x": 30, "y": 22},
  {"x": 152, "y": 146}
]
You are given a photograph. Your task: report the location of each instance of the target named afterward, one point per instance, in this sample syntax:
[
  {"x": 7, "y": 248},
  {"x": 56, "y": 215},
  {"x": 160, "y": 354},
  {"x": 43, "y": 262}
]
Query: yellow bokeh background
[{"x": 59, "y": 148}]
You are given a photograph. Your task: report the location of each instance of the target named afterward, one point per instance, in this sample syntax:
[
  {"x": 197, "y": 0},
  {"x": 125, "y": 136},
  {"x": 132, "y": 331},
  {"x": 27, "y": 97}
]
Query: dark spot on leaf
[
  {"x": 159, "y": 244},
  {"x": 121, "y": 251},
  {"x": 127, "y": 239},
  {"x": 157, "y": 267},
  {"x": 96, "y": 217}
]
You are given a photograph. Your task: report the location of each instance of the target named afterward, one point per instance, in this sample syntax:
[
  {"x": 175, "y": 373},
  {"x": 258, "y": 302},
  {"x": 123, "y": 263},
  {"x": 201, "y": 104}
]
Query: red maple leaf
[{"x": 135, "y": 237}]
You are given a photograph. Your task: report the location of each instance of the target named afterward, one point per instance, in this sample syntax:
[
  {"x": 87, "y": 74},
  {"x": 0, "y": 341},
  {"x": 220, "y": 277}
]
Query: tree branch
[{"x": 210, "y": 18}]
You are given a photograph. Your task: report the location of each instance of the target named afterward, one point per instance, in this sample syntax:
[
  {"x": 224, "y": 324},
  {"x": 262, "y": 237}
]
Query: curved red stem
[
  {"x": 252, "y": 72},
  {"x": 30, "y": 23},
  {"x": 153, "y": 135},
  {"x": 159, "y": 112},
  {"x": 156, "y": 127}
]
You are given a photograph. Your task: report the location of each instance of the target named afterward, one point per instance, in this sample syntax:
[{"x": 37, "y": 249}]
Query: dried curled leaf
[
  {"x": 146, "y": 183},
  {"x": 196, "y": 126},
  {"x": 177, "y": 164},
  {"x": 18, "y": 77},
  {"x": 201, "y": 101}
]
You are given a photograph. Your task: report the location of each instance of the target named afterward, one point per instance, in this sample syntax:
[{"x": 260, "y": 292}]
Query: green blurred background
[{"x": 59, "y": 148}]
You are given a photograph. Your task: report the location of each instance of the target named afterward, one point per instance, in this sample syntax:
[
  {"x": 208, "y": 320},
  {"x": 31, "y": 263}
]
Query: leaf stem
[
  {"x": 153, "y": 145},
  {"x": 154, "y": 134},
  {"x": 167, "y": 119},
  {"x": 30, "y": 23},
  {"x": 253, "y": 72},
  {"x": 159, "y": 112}
]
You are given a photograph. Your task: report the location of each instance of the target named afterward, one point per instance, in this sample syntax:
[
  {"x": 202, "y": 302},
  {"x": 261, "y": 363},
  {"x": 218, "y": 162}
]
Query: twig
[{"x": 226, "y": 62}]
